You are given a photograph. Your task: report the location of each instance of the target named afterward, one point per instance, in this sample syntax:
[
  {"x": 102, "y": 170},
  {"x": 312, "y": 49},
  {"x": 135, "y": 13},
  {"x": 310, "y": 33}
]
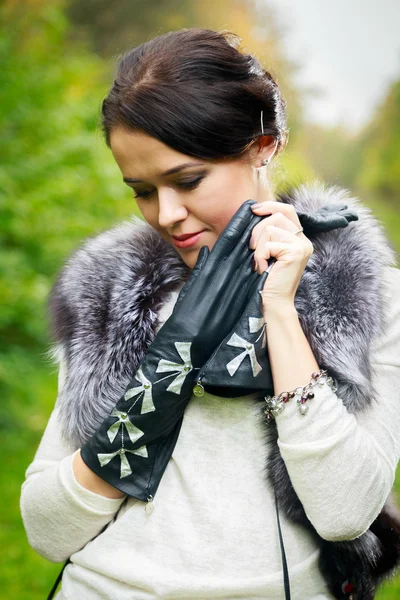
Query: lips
[
  {"x": 185, "y": 236},
  {"x": 191, "y": 240}
]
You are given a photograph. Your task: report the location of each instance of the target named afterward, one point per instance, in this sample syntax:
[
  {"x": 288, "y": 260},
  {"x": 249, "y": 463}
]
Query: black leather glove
[
  {"x": 131, "y": 448},
  {"x": 326, "y": 218},
  {"x": 240, "y": 365}
]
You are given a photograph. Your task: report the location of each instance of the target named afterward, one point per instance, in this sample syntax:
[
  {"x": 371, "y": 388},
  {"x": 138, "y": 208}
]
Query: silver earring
[{"x": 265, "y": 161}]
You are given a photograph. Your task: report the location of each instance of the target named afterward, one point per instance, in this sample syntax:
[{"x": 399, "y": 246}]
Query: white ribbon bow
[
  {"x": 123, "y": 419},
  {"x": 125, "y": 470},
  {"x": 147, "y": 388},
  {"x": 255, "y": 324},
  {"x": 249, "y": 351},
  {"x": 166, "y": 366}
]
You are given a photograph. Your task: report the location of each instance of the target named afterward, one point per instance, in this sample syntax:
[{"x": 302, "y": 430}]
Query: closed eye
[
  {"x": 189, "y": 184},
  {"x": 141, "y": 194}
]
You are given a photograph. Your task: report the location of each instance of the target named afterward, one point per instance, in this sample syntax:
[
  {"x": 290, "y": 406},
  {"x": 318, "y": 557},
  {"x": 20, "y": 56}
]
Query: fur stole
[{"x": 104, "y": 312}]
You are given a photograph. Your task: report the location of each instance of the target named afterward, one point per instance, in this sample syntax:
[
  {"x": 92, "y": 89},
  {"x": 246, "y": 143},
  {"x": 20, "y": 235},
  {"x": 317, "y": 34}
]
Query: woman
[{"x": 192, "y": 123}]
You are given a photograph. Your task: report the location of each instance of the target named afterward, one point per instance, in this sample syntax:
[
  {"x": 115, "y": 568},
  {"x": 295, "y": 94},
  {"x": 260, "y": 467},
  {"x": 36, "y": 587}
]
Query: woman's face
[{"x": 179, "y": 194}]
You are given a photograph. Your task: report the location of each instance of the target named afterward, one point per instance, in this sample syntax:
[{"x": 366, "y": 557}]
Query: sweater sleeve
[
  {"x": 342, "y": 466},
  {"x": 59, "y": 515}
]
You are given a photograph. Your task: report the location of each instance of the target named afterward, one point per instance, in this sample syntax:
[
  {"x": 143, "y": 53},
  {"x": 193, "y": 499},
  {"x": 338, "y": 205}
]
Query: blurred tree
[
  {"x": 58, "y": 184},
  {"x": 56, "y": 178},
  {"x": 380, "y": 170},
  {"x": 334, "y": 153},
  {"x": 113, "y": 27},
  {"x": 367, "y": 161}
]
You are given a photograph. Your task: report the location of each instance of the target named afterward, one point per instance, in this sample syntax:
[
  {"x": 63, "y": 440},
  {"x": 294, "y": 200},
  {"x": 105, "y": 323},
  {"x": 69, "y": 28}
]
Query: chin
[{"x": 190, "y": 262}]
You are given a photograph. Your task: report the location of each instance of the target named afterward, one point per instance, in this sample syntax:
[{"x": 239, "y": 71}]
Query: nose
[{"x": 170, "y": 209}]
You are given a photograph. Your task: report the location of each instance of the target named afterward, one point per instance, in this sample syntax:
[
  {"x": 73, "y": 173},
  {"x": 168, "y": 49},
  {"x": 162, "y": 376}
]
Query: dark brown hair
[{"x": 193, "y": 90}]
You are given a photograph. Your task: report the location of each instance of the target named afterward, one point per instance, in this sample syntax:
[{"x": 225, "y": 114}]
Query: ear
[{"x": 263, "y": 148}]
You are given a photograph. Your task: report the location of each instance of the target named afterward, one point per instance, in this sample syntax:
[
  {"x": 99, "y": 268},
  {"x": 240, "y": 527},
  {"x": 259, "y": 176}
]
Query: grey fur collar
[{"x": 105, "y": 302}]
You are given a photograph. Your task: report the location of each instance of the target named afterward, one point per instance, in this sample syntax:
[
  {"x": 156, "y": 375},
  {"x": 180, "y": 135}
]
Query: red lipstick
[{"x": 186, "y": 240}]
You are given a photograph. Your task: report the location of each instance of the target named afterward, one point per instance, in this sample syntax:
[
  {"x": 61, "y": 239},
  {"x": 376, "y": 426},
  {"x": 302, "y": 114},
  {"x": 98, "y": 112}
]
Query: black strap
[
  {"x": 57, "y": 581},
  {"x": 284, "y": 562}
]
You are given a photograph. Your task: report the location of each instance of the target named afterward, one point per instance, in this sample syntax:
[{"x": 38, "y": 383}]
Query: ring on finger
[{"x": 298, "y": 230}]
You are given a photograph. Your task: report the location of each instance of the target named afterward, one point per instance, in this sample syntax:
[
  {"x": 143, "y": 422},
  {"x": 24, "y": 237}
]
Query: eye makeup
[{"x": 186, "y": 184}]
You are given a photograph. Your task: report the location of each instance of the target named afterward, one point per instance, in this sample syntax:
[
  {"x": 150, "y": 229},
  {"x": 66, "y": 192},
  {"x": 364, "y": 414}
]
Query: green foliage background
[{"x": 59, "y": 184}]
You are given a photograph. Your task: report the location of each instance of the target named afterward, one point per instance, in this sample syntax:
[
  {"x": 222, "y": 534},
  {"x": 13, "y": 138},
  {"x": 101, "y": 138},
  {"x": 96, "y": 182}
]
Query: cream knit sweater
[{"x": 213, "y": 530}]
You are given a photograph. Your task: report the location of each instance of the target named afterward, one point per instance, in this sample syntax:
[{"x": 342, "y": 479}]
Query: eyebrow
[{"x": 169, "y": 172}]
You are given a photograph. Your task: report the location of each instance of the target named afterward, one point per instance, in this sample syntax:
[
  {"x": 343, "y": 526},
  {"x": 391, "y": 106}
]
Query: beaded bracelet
[{"x": 276, "y": 404}]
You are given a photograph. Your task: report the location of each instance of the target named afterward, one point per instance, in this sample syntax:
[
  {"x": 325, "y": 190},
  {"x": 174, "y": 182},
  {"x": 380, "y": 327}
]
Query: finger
[
  {"x": 274, "y": 206},
  {"x": 275, "y": 235},
  {"x": 277, "y": 219},
  {"x": 255, "y": 235},
  {"x": 271, "y": 251}
]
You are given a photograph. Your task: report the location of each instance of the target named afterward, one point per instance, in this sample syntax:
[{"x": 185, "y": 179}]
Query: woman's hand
[
  {"x": 274, "y": 237},
  {"x": 92, "y": 482}
]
